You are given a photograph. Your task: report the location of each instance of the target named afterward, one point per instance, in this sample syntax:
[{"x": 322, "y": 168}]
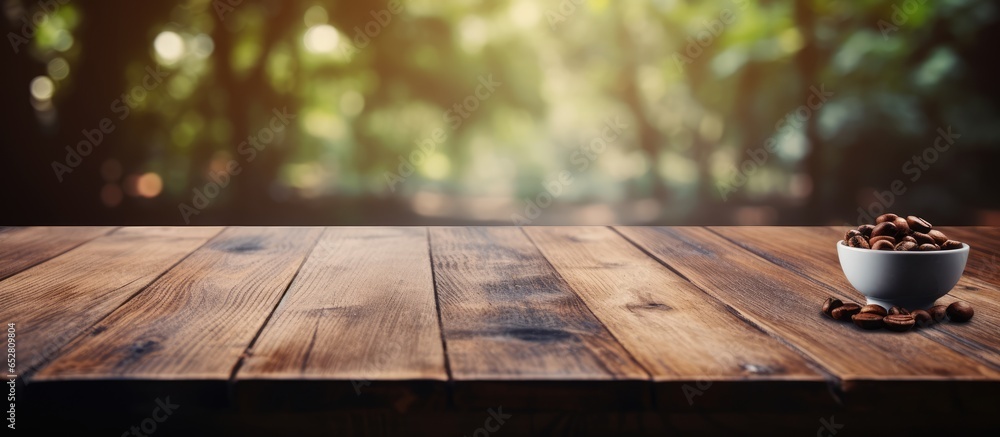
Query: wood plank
[
  {"x": 676, "y": 331},
  {"x": 871, "y": 367},
  {"x": 27, "y": 247},
  {"x": 360, "y": 318},
  {"x": 196, "y": 321},
  {"x": 515, "y": 332},
  {"x": 58, "y": 300},
  {"x": 977, "y": 338},
  {"x": 984, "y": 253}
]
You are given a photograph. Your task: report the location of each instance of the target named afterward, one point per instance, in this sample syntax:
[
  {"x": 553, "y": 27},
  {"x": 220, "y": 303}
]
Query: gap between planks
[
  {"x": 944, "y": 337},
  {"x": 631, "y": 356},
  {"x": 284, "y": 294},
  {"x": 866, "y": 383},
  {"x": 437, "y": 308},
  {"x": 833, "y": 382}
]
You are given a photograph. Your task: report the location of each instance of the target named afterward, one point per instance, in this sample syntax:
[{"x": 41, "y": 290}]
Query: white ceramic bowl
[{"x": 912, "y": 280}]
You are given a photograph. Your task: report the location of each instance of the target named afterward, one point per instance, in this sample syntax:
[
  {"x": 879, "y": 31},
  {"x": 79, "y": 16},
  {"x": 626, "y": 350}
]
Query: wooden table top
[{"x": 536, "y": 318}]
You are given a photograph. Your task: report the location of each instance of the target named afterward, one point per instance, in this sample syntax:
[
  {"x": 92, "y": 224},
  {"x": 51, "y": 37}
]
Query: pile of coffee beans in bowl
[
  {"x": 897, "y": 319},
  {"x": 892, "y": 232}
]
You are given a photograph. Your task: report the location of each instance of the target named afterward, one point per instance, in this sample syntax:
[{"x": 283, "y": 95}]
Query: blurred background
[{"x": 499, "y": 112}]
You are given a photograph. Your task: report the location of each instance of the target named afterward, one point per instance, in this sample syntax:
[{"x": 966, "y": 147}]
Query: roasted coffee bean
[
  {"x": 938, "y": 236},
  {"x": 918, "y": 224},
  {"x": 951, "y": 245},
  {"x": 866, "y": 230},
  {"x": 922, "y": 317},
  {"x": 888, "y": 217},
  {"x": 901, "y": 227},
  {"x": 939, "y": 313},
  {"x": 873, "y": 309},
  {"x": 885, "y": 228},
  {"x": 959, "y": 312},
  {"x": 899, "y": 322},
  {"x": 911, "y": 233},
  {"x": 867, "y": 320},
  {"x": 873, "y": 240},
  {"x": 922, "y": 238},
  {"x": 858, "y": 241},
  {"x": 845, "y": 311},
  {"x": 831, "y": 304},
  {"x": 895, "y": 311},
  {"x": 883, "y": 245}
]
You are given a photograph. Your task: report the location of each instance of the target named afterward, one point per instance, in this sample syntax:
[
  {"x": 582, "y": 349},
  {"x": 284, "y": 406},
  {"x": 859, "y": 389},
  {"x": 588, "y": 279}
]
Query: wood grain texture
[
  {"x": 676, "y": 331},
  {"x": 977, "y": 338},
  {"x": 787, "y": 305},
  {"x": 360, "y": 313},
  {"x": 196, "y": 321},
  {"x": 56, "y": 301},
  {"x": 21, "y": 248},
  {"x": 508, "y": 316},
  {"x": 572, "y": 329},
  {"x": 984, "y": 253}
]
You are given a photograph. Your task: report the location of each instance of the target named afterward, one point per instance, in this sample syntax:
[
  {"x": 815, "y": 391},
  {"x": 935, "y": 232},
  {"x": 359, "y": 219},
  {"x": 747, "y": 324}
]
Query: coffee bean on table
[
  {"x": 951, "y": 245},
  {"x": 887, "y": 217},
  {"x": 938, "y": 236},
  {"x": 845, "y": 311},
  {"x": 885, "y": 228},
  {"x": 959, "y": 312},
  {"x": 858, "y": 241},
  {"x": 894, "y": 233},
  {"x": 918, "y": 224},
  {"x": 831, "y": 304},
  {"x": 867, "y": 320},
  {"x": 922, "y": 317},
  {"x": 866, "y": 230},
  {"x": 939, "y": 313},
  {"x": 873, "y": 309},
  {"x": 894, "y": 311},
  {"x": 922, "y": 238},
  {"x": 873, "y": 240},
  {"x": 883, "y": 245},
  {"x": 899, "y": 322}
]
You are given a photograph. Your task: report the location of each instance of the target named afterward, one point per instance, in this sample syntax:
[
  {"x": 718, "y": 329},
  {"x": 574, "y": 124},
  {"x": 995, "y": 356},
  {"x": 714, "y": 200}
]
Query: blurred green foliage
[{"x": 698, "y": 84}]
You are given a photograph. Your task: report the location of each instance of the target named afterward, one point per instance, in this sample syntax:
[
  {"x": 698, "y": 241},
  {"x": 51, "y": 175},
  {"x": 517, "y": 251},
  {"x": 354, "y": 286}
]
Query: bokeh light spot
[
  {"x": 524, "y": 13},
  {"x": 42, "y": 88},
  {"x": 314, "y": 16},
  {"x": 202, "y": 46},
  {"x": 63, "y": 41},
  {"x": 437, "y": 167},
  {"x": 321, "y": 38},
  {"x": 111, "y": 195},
  {"x": 149, "y": 185},
  {"x": 58, "y": 68},
  {"x": 169, "y": 46},
  {"x": 351, "y": 103}
]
